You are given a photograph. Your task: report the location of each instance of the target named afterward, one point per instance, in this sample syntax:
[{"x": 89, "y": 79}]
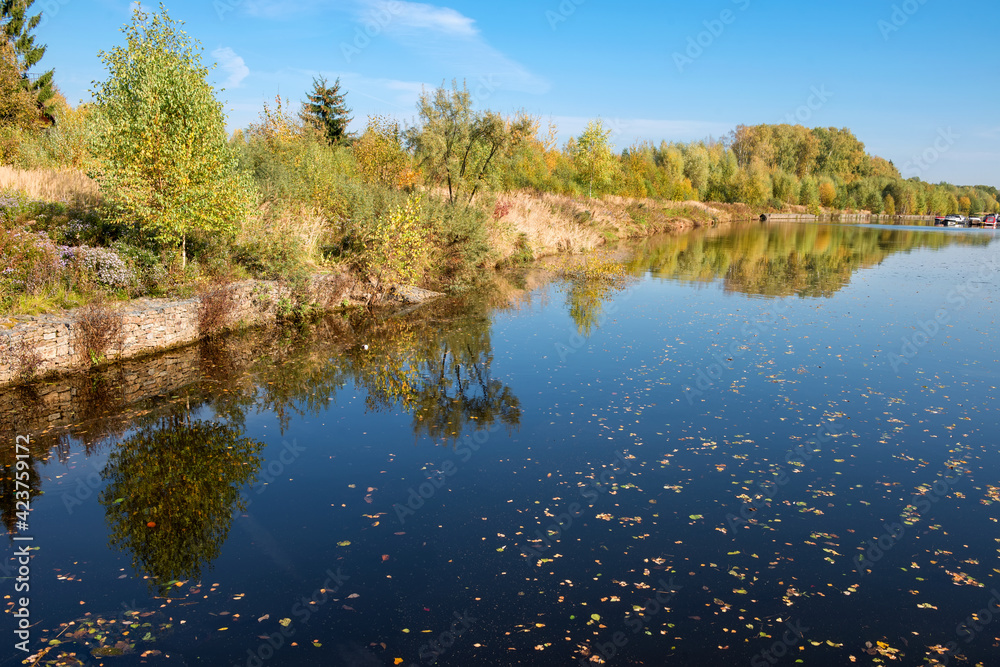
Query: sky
[{"x": 915, "y": 80}]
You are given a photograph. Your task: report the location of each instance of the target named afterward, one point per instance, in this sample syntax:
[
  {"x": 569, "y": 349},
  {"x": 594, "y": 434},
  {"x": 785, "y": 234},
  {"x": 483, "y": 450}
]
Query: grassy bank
[{"x": 61, "y": 251}]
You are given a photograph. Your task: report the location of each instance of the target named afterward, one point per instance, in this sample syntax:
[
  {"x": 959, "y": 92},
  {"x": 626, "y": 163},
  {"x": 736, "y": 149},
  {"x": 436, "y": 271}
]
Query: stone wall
[{"x": 51, "y": 344}]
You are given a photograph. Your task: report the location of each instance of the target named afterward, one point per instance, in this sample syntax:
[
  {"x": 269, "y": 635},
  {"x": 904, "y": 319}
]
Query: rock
[{"x": 409, "y": 294}]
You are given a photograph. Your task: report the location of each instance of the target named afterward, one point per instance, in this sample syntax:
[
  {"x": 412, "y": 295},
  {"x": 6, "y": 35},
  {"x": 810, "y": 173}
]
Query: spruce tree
[
  {"x": 326, "y": 110},
  {"x": 17, "y": 26}
]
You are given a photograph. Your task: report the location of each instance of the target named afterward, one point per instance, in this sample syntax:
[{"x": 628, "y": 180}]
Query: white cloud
[
  {"x": 423, "y": 17},
  {"x": 231, "y": 64},
  {"x": 451, "y": 39}
]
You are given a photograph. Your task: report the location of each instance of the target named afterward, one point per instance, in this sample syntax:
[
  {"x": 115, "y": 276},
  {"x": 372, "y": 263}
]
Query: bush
[
  {"x": 103, "y": 265},
  {"x": 26, "y": 358},
  {"x": 215, "y": 310},
  {"x": 99, "y": 329},
  {"x": 29, "y": 261},
  {"x": 393, "y": 247}
]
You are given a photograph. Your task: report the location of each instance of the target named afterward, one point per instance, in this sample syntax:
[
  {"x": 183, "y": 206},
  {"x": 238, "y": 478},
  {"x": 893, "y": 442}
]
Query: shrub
[
  {"x": 29, "y": 261},
  {"x": 215, "y": 310},
  {"x": 380, "y": 154},
  {"x": 395, "y": 247},
  {"x": 27, "y": 360},
  {"x": 502, "y": 209},
  {"x": 102, "y": 264},
  {"x": 99, "y": 329}
]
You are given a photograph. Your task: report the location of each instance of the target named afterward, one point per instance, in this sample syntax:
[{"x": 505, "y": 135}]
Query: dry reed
[{"x": 64, "y": 185}]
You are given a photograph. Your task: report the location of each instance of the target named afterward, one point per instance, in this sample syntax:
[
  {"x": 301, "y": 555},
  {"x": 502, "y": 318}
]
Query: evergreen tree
[
  {"x": 17, "y": 27},
  {"x": 326, "y": 110}
]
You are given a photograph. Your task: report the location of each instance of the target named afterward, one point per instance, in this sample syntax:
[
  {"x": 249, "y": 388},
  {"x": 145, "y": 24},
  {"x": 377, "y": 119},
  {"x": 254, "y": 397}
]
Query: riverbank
[{"x": 526, "y": 227}]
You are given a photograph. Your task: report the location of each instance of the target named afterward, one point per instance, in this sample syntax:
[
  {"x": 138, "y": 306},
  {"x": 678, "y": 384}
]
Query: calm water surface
[{"x": 754, "y": 445}]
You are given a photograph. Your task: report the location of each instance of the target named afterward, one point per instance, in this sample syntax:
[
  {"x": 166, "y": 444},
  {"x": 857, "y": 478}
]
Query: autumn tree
[
  {"x": 827, "y": 193},
  {"x": 381, "y": 156},
  {"x": 889, "y": 204},
  {"x": 460, "y": 148},
  {"x": 164, "y": 164},
  {"x": 171, "y": 491},
  {"x": 325, "y": 110},
  {"x": 17, "y": 26},
  {"x": 17, "y": 107},
  {"x": 591, "y": 153}
]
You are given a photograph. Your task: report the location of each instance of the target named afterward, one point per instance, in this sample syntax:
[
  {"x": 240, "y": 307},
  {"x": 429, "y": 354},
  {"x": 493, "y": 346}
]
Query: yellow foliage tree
[
  {"x": 827, "y": 193},
  {"x": 381, "y": 157}
]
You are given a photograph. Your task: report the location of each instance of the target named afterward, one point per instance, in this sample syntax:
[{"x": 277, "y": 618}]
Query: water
[{"x": 763, "y": 444}]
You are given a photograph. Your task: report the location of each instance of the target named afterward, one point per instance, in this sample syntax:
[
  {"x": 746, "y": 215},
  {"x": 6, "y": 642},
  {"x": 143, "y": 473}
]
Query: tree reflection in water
[{"x": 172, "y": 489}]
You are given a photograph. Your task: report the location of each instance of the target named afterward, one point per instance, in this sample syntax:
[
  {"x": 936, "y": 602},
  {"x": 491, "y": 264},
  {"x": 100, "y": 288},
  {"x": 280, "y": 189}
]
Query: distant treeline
[{"x": 764, "y": 166}]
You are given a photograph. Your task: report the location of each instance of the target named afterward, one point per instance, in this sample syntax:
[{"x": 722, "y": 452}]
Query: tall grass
[{"x": 69, "y": 186}]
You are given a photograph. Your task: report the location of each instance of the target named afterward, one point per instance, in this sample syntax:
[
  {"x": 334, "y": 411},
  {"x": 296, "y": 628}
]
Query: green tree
[
  {"x": 326, "y": 110},
  {"x": 171, "y": 493},
  {"x": 890, "y": 205},
  {"x": 593, "y": 157},
  {"x": 165, "y": 165},
  {"x": 458, "y": 147},
  {"x": 17, "y": 28}
]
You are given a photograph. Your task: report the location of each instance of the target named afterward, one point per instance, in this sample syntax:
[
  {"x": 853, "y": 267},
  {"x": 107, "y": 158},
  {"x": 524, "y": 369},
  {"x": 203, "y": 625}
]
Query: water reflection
[
  {"x": 767, "y": 259},
  {"x": 171, "y": 492}
]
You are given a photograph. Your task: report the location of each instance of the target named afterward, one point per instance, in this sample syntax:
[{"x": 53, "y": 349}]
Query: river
[{"x": 755, "y": 444}]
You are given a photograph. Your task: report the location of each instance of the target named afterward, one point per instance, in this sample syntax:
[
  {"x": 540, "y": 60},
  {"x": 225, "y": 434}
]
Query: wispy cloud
[
  {"x": 452, "y": 39},
  {"x": 442, "y": 35},
  {"x": 422, "y": 17},
  {"x": 233, "y": 65}
]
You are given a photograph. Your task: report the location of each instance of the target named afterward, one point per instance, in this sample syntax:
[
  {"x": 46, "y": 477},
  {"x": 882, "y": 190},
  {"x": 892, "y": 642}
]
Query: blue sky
[{"x": 914, "y": 79}]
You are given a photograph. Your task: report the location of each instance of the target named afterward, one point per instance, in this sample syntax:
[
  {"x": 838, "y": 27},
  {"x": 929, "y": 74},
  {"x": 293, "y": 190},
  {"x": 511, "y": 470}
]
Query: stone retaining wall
[{"x": 152, "y": 325}]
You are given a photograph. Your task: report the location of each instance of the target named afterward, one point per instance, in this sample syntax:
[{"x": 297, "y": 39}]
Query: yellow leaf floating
[
  {"x": 285, "y": 622},
  {"x": 345, "y": 543}
]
